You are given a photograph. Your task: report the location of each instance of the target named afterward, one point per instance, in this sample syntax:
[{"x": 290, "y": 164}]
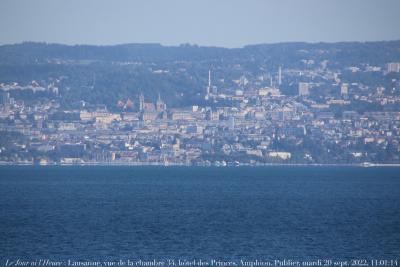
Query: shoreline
[{"x": 107, "y": 164}]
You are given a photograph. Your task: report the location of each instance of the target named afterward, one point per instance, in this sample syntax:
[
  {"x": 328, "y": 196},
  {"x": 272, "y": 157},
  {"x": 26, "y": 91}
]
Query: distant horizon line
[{"x": 199, "y": 45}]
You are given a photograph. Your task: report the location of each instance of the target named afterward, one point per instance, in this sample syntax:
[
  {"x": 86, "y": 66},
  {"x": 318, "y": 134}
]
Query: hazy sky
[{"x": 230, "y": 23}]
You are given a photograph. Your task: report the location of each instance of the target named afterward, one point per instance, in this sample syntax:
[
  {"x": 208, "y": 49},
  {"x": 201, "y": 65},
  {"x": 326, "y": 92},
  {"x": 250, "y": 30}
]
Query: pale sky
[{"x": 228, "y": 23}]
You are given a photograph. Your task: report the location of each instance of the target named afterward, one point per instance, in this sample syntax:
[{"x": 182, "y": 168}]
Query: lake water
[{"x": 299, "y": 213}]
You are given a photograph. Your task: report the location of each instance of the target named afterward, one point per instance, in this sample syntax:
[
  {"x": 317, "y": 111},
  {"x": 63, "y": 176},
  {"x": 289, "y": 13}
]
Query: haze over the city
[{"x": 206, "y": 22}]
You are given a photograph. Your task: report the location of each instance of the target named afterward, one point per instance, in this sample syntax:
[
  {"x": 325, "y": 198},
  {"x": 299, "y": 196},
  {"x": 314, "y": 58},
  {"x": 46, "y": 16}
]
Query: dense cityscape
[{"x": 314, "y": 112}]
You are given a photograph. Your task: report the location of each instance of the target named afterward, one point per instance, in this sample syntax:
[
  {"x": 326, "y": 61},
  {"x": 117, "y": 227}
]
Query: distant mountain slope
[{"x": 351, "y": 52}]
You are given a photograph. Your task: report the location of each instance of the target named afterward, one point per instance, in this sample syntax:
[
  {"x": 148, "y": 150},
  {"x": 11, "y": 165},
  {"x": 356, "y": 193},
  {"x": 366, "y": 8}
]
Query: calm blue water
[{"x": 225, "y": 213}]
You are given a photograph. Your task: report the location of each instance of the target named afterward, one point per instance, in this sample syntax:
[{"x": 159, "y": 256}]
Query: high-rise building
[
  {"x": 5, "y": 98},
  {"x": 304, "y": 89},
  {"x": 344, "y": 89},
  {"x": 393, "y": 67}
]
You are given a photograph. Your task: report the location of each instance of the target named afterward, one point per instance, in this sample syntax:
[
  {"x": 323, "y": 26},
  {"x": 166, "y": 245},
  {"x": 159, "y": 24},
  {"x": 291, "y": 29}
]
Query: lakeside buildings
[{"x": 254, "y": 126}]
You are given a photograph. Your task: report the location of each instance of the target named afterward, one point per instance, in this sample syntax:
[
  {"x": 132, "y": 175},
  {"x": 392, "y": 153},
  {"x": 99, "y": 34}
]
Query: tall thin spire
[
  {"x": 208, "y": 89},
  {"x": 209, "y": 78},
  {"x": 141, "y": 101},
  {"x": 280, "y": 75}
]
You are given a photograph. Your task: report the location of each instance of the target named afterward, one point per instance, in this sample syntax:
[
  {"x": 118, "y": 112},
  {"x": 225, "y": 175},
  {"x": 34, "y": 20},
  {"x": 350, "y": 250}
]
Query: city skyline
[{"x": 154, "y": 105}]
